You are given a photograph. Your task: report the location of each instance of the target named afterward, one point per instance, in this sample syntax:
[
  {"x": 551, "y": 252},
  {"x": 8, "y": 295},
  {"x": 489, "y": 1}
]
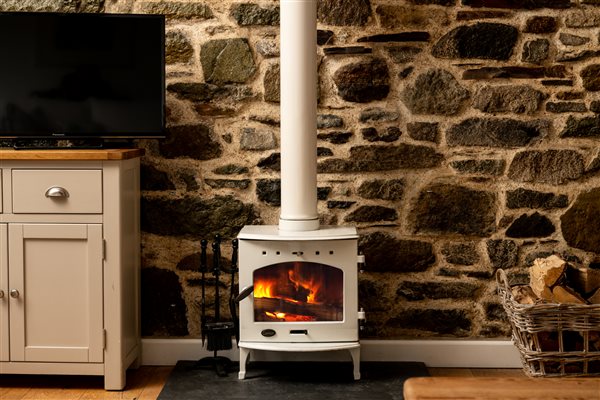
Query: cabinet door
[
  {"x": 3, "y": 293},
  {"x": 57, "y": 270}
]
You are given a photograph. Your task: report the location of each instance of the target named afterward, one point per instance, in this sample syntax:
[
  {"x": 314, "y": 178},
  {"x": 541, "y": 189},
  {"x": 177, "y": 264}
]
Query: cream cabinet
[{"x": 69, "y": 263}]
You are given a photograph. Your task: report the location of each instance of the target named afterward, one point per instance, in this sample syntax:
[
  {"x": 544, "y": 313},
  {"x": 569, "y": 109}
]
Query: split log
[
  {"x": 546, "y": 272},
  {"x": 595, "y": 298},
  {"x": 566, "y": 295},
  {"x": 321, "y": 312},
  {"x": 523, "y": 294},
  {"x": 584, "y": 280}
]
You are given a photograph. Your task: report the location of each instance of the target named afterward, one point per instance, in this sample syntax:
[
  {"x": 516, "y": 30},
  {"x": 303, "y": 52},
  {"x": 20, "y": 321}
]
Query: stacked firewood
[{"x": 553, "y": 280}]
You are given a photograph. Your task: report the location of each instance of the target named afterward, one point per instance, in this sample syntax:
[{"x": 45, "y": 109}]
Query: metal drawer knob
[
  {"x": 14, "y": 293},
  {"x": 1, "y": 294},
  {"x": 57, "y": 191}
]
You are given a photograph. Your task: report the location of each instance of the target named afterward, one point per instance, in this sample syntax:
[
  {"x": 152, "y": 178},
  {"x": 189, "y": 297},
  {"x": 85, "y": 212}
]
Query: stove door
[{"x": 304, "y": 291}]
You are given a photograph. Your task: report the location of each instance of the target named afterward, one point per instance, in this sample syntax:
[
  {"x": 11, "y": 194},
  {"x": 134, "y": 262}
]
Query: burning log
[{"x": 317, "y": 312}]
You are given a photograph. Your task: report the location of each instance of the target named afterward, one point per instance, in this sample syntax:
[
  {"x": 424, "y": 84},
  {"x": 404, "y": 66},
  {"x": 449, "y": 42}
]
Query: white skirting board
[{"x": 434, "y": 353}]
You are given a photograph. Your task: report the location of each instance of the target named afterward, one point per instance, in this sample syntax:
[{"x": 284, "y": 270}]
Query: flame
[
  {"x": 289, "y": 317},
  {"x": 263, "y": 288},
  {"x": 311, "y": 284}
]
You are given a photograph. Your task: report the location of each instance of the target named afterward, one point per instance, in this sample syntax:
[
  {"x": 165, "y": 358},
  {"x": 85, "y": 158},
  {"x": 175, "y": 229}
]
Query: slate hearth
[{"x": 299, "y": 380}]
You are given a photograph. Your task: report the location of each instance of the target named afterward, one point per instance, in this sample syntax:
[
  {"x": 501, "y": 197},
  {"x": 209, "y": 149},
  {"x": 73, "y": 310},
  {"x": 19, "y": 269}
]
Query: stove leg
[
  {"x": 355, "y": 354},
  {"x": 244, "y": 355}
]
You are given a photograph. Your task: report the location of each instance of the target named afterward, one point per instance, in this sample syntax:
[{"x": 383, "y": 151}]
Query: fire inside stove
[{"x": 298, "y": 292}]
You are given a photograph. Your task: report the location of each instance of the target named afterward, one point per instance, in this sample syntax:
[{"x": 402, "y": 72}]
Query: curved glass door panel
[{"x": 298, "y": 292}]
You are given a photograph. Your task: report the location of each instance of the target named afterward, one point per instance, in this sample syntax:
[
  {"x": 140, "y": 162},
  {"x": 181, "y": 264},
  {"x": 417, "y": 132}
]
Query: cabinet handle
[
  {"x": 57, "y": 191},
  {"x": 14, "y": 293},
  {"x": 1, "y": 294}
]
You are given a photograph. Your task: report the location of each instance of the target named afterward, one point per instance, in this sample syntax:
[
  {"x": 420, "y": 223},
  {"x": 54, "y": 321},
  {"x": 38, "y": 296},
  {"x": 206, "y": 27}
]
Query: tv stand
[
  {"x": 70, "y": 262},
  {"x": 57, "y": 144}
]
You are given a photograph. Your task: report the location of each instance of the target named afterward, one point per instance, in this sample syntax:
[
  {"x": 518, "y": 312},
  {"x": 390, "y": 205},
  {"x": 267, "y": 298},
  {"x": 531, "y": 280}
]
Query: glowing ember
[{"x": 289, "y": 317}]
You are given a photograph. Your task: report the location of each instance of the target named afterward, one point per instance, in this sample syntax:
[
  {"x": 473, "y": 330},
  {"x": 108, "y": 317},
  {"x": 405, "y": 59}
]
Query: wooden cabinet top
[{"x": 70, "y": 154}]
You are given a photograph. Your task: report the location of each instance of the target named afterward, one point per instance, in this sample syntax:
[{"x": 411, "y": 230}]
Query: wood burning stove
[{"x": 298, "y": 280}]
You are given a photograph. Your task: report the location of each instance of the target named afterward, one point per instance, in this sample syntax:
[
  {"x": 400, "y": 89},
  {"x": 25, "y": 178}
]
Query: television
[{"x": 81, "y": 76}]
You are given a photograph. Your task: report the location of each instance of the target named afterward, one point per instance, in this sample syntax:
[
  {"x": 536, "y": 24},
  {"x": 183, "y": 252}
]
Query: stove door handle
[{"x": 245, "y": 292}]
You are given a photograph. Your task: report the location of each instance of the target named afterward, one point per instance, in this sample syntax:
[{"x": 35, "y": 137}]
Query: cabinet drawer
[{"x": 57, "y": 191}]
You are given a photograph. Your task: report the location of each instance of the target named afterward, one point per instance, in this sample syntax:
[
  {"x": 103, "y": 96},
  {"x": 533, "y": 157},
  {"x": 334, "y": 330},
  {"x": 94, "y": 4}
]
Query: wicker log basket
[{"x": 553, "y": 339}]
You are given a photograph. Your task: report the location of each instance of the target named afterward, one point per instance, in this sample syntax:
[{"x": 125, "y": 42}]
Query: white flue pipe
[{"x": 298, "y": 65}]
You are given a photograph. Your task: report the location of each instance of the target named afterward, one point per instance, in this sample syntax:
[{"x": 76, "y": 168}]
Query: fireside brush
[{"x": 218, "y": 333}]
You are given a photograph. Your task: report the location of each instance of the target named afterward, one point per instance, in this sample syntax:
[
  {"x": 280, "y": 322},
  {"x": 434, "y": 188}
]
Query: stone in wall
[
  {"x": 454, "y": 321},
  {"x": 363, "y": 81},
  {"x": 247, "y": 14},
  {"x": 329, "y": 121},
  {"x": 163, "y": 308},
  {"x": 340, "y": 204},
  {"x": 227, "y": 61},
  {"x": 228, "y": 183},
  {"x": 328, "y": 51},
  {"x": 383, "y": 158},
  {"x": 254, "y": 139},
  {"x": 492, "y": 132},
  {"x": 382, "y": 189},
  {"x": 392, "y": 16},
  {"x": 424, "y": 131},
  {"x": 151, "y": 178},
  {"x": 570, "y": 95},
  {"x": 369, "y": 295},
  {"x": 175, "y": 9},
  {"x": 403, "y": 54},
  {"x": 268, "y": 47},
  {"x": 533, "y": 225},
  {"x": 516, "y": 99},
  {"x": 435, "y": 92},
  {"x": 471, "y": 15},
  {"x": 565, "y": 107},
  {"x": 324, "y": 37},
  {"x": 204, "y": 92},
  {"x": 272, "y": 83},
  {"x": 495, "y": 312},
  {"x": 554, "y": 167},
  {"x": 231, "y": 169},
  {"x": 590, "y": 76},
  {"x": 372, "y": 214},
  {"x": 447, "y": 209},
  {"x": 576, "y": 55},
  {"x": 193, "y": 141},
  {"x": 387, "y": 254},
  {"x": 482, "y": 40},
  {"x": 580, "y": 223},
  {"x": 536, "y": 51},
  {"x": 586, "y": 127},
  {"x": 197, "y": 217},
  {"x": 518, "y": 4},
  {"x": 541, "y": 24},
  {"x": 460, "y": 253},
  {"x": 554, "y": 71},
  {"x": 416, "y": 36},
  {"x": 434, "y": 2},
  {"x": 578, "y": 19},
  {"x": 481, "y": 167},
  {"x": 390, "y": 134},
  {"x": 178, "y": 48},
  {"x": 33, "y": 5},
  {"x": 572, "y": 40},
  {"x": 271, "y": 162},
  {"x": 269, "y": 191},
  {"x": 344, "y": 12},
  {"x": 337, "y": 137},
  {"x": 378, "y": 114},
  {"x": 525, "y": 198},
  {"x": 415, "y": 290},
  {"x": 502, "y": 253}
]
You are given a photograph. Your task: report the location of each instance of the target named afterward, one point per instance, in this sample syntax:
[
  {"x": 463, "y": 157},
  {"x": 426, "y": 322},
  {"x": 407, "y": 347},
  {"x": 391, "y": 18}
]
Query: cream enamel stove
[{"x": 298, "y": 280}]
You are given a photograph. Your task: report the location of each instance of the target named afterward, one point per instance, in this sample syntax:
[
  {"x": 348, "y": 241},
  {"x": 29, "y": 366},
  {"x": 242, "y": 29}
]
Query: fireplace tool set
[{"x": 216, "y": 332}]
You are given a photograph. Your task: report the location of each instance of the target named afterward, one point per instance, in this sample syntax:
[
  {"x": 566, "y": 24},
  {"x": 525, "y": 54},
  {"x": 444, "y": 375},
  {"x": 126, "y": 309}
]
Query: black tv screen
[{"x": 81, "y": 75}]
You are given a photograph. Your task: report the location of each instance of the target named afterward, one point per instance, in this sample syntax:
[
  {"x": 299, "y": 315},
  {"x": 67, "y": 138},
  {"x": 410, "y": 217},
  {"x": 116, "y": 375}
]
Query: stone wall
[{"x": 460, "y": 136}]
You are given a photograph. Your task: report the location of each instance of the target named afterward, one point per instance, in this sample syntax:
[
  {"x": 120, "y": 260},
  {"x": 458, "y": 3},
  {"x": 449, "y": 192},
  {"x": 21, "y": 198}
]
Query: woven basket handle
[{"x": 502, "y": 279}]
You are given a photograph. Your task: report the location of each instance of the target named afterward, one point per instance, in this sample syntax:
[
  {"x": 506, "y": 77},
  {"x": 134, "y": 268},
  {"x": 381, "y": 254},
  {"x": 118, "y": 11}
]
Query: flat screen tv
[{"x": 82, "y": 76}]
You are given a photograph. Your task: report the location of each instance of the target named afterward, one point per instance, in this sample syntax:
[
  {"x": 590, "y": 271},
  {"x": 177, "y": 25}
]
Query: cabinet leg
[{"x": 114, "y": 380}]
